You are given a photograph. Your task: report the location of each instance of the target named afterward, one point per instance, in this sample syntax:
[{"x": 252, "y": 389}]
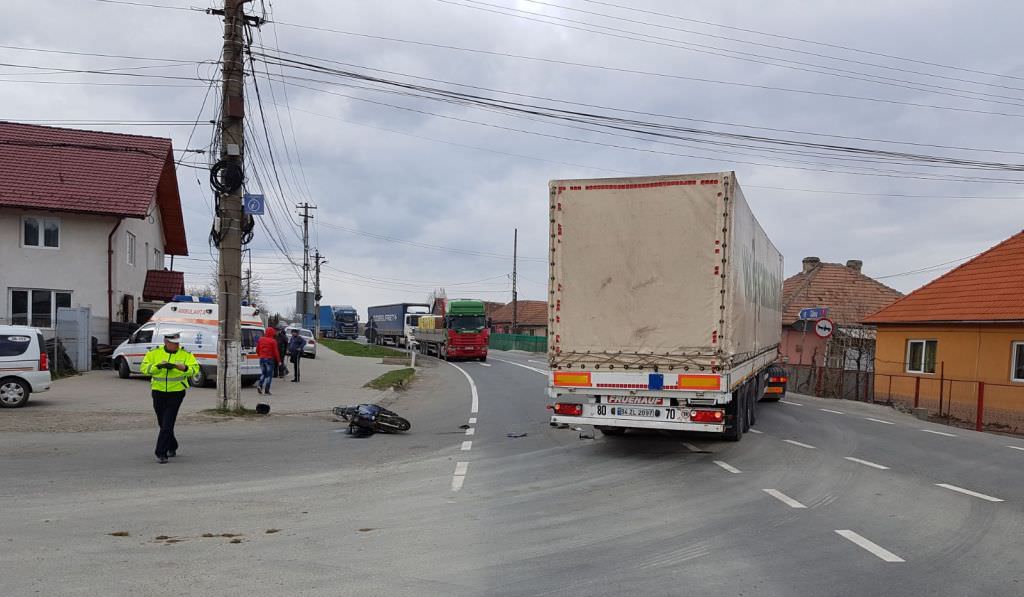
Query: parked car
[
  {"x": 309, "y": 350},
  {"x": 23, "y": 365}
]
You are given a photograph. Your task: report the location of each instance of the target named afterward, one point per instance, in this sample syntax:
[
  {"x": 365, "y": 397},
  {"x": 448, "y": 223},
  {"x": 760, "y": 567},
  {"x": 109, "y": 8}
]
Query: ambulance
[{"x": 196, "y": 320}]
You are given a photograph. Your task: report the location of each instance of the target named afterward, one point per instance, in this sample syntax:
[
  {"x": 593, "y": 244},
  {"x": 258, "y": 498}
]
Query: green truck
[{"x": 459, "y": 332}]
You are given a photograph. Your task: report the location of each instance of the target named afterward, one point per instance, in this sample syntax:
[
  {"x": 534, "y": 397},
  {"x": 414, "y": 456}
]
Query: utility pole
[
  {"x": 229, "y": 213},
  {"x": 305, "y": 207},
  {"x": 318, "y": 259},
  {"x": 515, "y": 259}
]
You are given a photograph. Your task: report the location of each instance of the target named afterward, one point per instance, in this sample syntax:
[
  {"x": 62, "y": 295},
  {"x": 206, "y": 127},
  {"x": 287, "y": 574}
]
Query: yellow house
[{"x": 959, "y": 341}]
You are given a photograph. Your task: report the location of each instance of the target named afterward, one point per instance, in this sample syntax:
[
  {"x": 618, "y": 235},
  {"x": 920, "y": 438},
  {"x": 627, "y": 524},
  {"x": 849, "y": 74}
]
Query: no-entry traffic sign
[{"x": 824, "y": 328}]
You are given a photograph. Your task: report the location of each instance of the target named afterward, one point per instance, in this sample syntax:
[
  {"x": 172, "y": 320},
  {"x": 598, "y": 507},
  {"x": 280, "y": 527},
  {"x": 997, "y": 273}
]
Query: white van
[
  {"x": 197, "y": 324},
  {"x": 23, "y": 365}
]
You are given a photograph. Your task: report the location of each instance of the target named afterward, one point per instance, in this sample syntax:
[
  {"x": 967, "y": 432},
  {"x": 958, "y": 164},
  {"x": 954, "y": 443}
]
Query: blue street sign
[
  {"x": 814, "y": 313},
  {"x": 253, "y": 204}
]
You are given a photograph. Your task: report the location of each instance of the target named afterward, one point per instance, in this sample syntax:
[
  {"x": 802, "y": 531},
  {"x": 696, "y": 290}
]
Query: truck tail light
[
  {"x": 44, "y": 362},
  {"x": 782, "y": 379},
  {"x": 568, "y": 409},
  {"x": 707, "y": 416}
]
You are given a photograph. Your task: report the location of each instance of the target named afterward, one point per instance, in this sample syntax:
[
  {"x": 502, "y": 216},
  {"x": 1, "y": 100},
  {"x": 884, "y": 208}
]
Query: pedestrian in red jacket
[{"x": 270, "y": 357}]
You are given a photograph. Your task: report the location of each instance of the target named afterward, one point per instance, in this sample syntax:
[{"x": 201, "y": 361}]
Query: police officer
[{"x": 169, "y": 368}]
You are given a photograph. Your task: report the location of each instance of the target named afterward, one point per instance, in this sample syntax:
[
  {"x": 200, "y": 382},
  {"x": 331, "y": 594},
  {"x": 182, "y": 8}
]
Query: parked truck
[
  {"x": 461, "y": 333},
  {"x": 393, "y": 324},
  {"x": 346, "y": 322},
  {"x": 665, "y": 304},
  {"x": 326, "y": 321}
]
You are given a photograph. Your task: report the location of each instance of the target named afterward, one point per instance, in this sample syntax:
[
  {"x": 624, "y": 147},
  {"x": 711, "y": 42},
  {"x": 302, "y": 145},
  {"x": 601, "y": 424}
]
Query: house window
[
  {"x": 37, "y": 308},
  {"x": 130, "y": 247},
  {"x": 921, "y": 356},
  {"x": 1017, "y": 370},
  {"x": 40, "y": 232}
]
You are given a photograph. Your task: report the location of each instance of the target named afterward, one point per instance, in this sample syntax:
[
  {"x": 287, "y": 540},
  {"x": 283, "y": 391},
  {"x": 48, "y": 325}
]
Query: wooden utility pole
[
  {"x": 230, "y": 216},
  {"x": 318, "y": 259},
  {"x": 515, "y": 259}
]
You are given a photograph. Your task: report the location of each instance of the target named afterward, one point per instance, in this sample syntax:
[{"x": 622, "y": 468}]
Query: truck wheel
[
  {"x": 747, "y": 407},
  {"x": 612, "y": 431},
  {"x": 753, "y": 405},
  {"x": 734, "y": 433},
  {"x": 123, "y": 371}
]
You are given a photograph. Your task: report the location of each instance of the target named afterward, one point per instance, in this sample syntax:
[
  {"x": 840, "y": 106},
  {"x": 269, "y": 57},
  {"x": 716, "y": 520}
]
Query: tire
[
  {"x": 747, "y": 408},
  {"x": 612, "y": 431},
  {"x": 392, "y": 423},
  {"x": 200, "y": 379},
  {"x": 753, "y": 404},
  {"x": 483, "y": 359},
  {"x": 735, "y": 432},
  {"x": 14, "y": 393},
  {"x": 123, "y": 370},
  {"x": 442, "y": 352}
]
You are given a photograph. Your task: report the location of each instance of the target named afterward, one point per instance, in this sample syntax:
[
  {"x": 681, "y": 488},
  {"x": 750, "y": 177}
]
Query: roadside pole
[{"x": 316, "y": 292}]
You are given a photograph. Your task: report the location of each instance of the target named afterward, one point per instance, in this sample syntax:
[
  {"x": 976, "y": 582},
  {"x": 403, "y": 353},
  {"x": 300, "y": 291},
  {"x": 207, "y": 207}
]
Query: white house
[{"x": 84, "y": 217}]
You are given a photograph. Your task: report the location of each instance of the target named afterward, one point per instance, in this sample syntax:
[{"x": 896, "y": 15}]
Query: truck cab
[{"x": 346, "y": 322}]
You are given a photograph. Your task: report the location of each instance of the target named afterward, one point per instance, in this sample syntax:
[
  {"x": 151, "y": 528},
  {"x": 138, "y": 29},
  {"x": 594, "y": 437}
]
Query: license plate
[{"x": 634, "y": 411}]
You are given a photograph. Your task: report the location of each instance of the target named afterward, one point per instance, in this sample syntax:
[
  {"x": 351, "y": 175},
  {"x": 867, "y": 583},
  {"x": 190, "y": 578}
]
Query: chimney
[
  {"x": 810, "y": 263},
  {"x": 855, "y": 265}
]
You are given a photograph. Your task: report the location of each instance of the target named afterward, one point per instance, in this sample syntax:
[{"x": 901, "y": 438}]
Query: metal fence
[{"x": 518, "y": 342}]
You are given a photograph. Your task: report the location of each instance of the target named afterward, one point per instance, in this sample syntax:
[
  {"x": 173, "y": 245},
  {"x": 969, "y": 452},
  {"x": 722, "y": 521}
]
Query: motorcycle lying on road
[{"x": 366, "y": 419}]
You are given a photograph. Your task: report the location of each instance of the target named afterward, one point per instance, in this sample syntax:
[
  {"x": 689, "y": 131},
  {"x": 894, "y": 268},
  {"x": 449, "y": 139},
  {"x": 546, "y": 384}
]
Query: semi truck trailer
[
  {"x": 664, "y": 304},
  {"x": 393, "y": 324}
]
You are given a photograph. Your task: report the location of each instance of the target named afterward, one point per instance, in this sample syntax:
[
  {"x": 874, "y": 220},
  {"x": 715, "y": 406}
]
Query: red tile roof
[
  {"x": 69, "y": 170},
  {"x": 162, "y": 285},
  {"x": 532, "y": 313},
  {"x": 848, "y": 294},
  {"x": 989, "y": 287}
]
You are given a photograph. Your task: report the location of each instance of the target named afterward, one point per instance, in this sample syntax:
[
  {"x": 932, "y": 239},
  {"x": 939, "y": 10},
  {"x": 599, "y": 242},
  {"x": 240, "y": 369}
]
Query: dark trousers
[
  {"x": 296, "y": 359},
  {"x": 166, "y": 405}
]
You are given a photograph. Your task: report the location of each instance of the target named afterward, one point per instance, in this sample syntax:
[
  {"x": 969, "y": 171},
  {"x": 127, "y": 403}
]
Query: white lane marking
[
  {"x": 461, "y": 467},
  {"x": 939, "y": 432},
  {"x": 828, "y": 410},
  {"x": 874, "y": 548},
  {"x": 534, "y": 369},
  {"x": 801, "y": 444},
  {"x": 484, "y": 364},
  {"x": 475, "y": 407},
  {"x": 538, "y": 362},
  {"x": 867, "y": 463},
  {"x": 879, "y": 421},
  {"x": 459, "y": 477},
  {"x": 467, "y": 446},
  {"x": 691, "y": 447},
  {"x": 969, "y": 492},
  {"x": 790, "y": 403},
  {"x": 472, "y": 420},
  {"x": 471, "y": 431},
  {"x": 1016, "y": 448},
  {"x": 785, "y": 499},
  {"x": 727, "y": 466},
  {"x": 457, "y": 482},
  {"x": 756, "y": 431}
]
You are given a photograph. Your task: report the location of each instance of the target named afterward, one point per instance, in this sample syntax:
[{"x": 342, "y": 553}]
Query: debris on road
[
  {"x": 516, "y": 435},
  {"x": 119, "y": 534}
]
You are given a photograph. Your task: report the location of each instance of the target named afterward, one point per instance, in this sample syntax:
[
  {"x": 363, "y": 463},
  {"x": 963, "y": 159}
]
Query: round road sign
[{"x": 823, "y": 328}]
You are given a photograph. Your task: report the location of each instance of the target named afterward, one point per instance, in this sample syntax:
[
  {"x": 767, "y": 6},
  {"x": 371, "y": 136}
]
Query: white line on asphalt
[
  {"x": 691, "y": 447},
  {"x": 867, "y": 463},
  {"x": 969, "y": 492},
  {"x": 461, "y": 467},
  {"x": 1016, "y": 448},
  {"x": 785, "y": 499},
  {"x": 472, "y": 388},
  {"x": 756, "y": 431},
  {"x": 939, "y": 432},
  {"x": 472, "y": 420},
  {"x": 801, "y": 444},
  {"x": 726, "y": 466},
  {"x": 534, "y": 369},
  {"x": 538, "y": 362},
  {"x": 879, "y": 421},
  {"x": 790, "y": 403},
  {"x": 874, "y": 548},
  {"x": 467, "y": 446},
  {"x": 471, "y": 431},
  {"x": 832, "y": 411},
  {"x": 484, "y": 364}
]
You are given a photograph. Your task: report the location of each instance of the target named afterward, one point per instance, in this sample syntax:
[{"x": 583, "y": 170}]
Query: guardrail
[{"x": 518, "y": 342}]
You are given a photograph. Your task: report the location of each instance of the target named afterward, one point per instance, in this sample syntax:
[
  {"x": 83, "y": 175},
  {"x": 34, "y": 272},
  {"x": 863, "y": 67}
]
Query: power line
[{"x": 148, "y": 5}]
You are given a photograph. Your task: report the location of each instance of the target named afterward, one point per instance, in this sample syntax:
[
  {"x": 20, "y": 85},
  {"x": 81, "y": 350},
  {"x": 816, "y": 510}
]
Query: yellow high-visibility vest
[{"x": 169, "y": 380}]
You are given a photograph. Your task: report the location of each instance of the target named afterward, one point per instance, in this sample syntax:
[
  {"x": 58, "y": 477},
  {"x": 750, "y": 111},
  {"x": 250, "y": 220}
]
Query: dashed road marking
[
  {"x": 534, "y": 369},
  {"x": 467, "y": 446},
  {"x": 785, "y": 499},
  {"x": 872, "y": 547},
  {"x": 691, "y": 447},
  {"x": 472, "y": 420},
  {"x": 471, "y": 431},
  {"x": 801, "y": 444},
  {"x": 1021, "y": 448},
  {"x": 790, "y": 403},
  {"x": 828, "y": 410},
  {"x": 879, "y": 421},
  {"x": 756, "y": 431},
  {"x": 461, "y": 468},
  {"x": 727, "y": 466},
  {"x": 987, "y": 498},
  {"x": 867, "y": 463},
  {"x": 484, "y": 364},
  {"x": 939, "y": 432},
  {"x": 475, "y": 406}
]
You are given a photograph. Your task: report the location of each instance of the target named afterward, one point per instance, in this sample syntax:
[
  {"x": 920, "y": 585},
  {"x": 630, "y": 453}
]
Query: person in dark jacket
[
  {"x": 295, "y": 345},
  {"x": 270, "y": 358},
  {"x": 282, "y": 347}
]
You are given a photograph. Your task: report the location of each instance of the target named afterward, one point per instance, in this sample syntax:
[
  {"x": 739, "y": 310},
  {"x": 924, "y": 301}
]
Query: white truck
[{"x": 664, "y": 304}]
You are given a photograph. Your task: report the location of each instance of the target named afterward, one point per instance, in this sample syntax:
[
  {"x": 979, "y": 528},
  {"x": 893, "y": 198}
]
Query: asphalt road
[{"x": 854, "y": 499}]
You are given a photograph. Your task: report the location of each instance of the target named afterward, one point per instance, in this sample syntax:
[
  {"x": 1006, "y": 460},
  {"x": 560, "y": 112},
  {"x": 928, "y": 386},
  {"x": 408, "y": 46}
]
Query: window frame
[
  {"x": 924, "y": 355},
  {"x": 29, "y": 314},
  {"x": 42, "y": 232},
  {"x": 1014, "y": 347},
  {"x": 130, "y": 241}
]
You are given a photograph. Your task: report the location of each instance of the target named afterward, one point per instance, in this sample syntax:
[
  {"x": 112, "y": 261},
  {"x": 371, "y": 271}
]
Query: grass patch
[
  {"x": 397, "y": 379},
  {"x": 231, "y": 412},
  {"x": 355, "y": 349}
]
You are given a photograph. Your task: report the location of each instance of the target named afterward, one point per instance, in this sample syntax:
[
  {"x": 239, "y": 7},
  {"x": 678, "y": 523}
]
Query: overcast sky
[{"x": 436, "y": 181}]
